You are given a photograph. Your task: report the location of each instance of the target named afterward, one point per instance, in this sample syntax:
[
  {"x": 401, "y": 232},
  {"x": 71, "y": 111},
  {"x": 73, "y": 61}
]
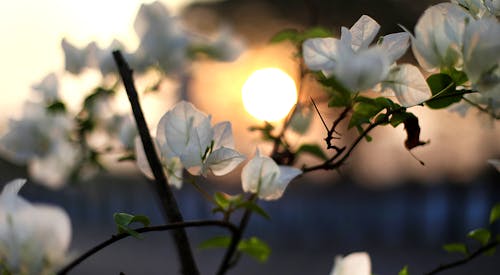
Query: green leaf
[
  {"x": 288, "y": 34},
  {"x": 256, "y": 248},
  {"x": 255, "y": 208},
  {"x": 481, "y": 235},
  {"x": 458, "y": 77},
  {"x": 225, "y": 201},
  {"x": 364, "y": 110},
  {"x": 490, "y": 252},
  {"x": 313, "y": 149},
  {"x": 443, "y": 90},
  {"x": 315, "y": 32},
  {"x": 216, "y": 242},
  {"x": 123, "y": 220},
  {"x": 495, "y": 213},
  {"x": 404, "y": 271},
  {"x": 456, "y": 247}
]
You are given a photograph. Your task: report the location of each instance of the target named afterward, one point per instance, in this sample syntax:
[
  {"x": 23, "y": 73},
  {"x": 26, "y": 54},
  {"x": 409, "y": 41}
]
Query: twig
[
  {"x": 118, "y": 237},
  {"x": 227, "y": 262},
  {"x": 465, "y": 260},
  {"x": 165, "y": 195},
  {"x": 482, "y": 109}
]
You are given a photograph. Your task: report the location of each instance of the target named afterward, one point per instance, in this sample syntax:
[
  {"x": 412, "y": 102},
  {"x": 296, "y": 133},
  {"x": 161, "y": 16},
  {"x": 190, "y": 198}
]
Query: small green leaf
[
  {"x": 222, "y": 200},
  {"x": 123, "y": 220},
  {"x": 313, "y": 149},
  {"x": 481, "y": 235},
  {"x": 404, "y": 271},
  {"x": 458, "y": 77},
  {"x": 255, "y": 208},
  {"x": 256, "y": 248},
  {"x": 443, "y": 90},
  {"x": 216, "y": 242},
  {"x": 495, "y": 213},
  {"x": 456, "y": 247},
  {"x": 288, "y": 34},
  {"x": 490, "y": 252}
]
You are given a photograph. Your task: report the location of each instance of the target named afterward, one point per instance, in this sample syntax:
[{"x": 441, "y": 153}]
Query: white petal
[
  {"x": 408, "y": 84},
  {"x": 395, "y": 45},
  {"x": 275, "y": 190},
  {"x": 353, "y": 264},
  {"x": 141, "y": 159},
  {"x": 175, "y": 127},
  {"x": 363, "y": 32},
  {"x": 363, "y": 70},
  {"x": 223, "y": 161},
  {"x": 223, "y": 135},
  {"x": 9, "y": 199},
  {"x": 495, "y": 163},
  {"x": 320, "y": 54},
  {"x": 260, "y": 170}
]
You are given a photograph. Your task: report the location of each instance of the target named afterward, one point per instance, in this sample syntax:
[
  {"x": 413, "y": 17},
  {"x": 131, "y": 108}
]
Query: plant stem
[
  {"x": 170, "y": 209},
  {"x": 227, "y": 262},
  {"x": 465, "y": 260},
  {"x": 118, "y": 237}
]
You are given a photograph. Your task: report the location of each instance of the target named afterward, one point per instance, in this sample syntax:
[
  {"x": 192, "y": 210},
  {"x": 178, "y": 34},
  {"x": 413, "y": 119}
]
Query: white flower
[
  {"x": 162, "y": 41},
  {"x": 476, "y": 8},
  {"x": 225, "y": 46},
  {"x": 493, "y": 6},
  {"x": 34, "y": 238},
  {"x": 48, "y": 88},
  {"x": 353, "y": 264},
  {"x": 40, "y": 139},
  {"x": 351, "y": 60},
  {"x": 438, "y": 37},
  {"x": 481, "y": 53},
  {"x": 184, "y": 136},
  {"x": 103, "y": 58},
  {"x": 75, "y": 59},
  {"x": 262, "y": 176}
]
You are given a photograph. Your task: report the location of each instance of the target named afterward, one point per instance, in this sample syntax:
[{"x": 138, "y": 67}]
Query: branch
[
  {"x": 118, "y": 237},
  {"x": 465, "y": 260},
  {"x": 227, "y": 262},
  {"x": 165, "y": 195},
  {"x": 330, "y": 164}
]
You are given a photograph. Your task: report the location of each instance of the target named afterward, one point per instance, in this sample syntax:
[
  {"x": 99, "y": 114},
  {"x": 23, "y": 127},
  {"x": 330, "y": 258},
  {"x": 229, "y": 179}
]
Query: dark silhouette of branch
[
  {"x": 465, "y": 260},
  {"x": 165, "y": 195},
  {"x": 167, "y": 227},
  {"x": 228, "y": 260}
]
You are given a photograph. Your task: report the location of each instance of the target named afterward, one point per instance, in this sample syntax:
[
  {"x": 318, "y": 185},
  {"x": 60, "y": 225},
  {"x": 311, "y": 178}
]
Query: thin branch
[
  {"x": 482, "y": 109},
  {"x": 170, "y": 209},
  {"x": 167, "y": 227},
  {"x": 465, "y": 260},
  {"x": 228, "y": 262},
  {"x": 330, "y": 164}
]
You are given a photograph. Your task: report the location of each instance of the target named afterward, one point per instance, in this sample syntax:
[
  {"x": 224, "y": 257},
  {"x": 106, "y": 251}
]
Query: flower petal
[
  {"x": 395, "y": 45},
  {"x": 363, "y": 32},
  {"x": 320, "y": 54},
  {"x": 408, "y": 85},
  {"x": 223, "y": 161}
]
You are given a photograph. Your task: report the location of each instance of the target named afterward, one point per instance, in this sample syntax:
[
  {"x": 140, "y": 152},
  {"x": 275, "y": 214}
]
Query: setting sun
[{"x": 269, "y": 94}]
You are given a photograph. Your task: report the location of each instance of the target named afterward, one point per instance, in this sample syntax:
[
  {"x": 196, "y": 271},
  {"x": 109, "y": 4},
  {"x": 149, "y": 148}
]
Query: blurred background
[{"x": 384, "y": 202}]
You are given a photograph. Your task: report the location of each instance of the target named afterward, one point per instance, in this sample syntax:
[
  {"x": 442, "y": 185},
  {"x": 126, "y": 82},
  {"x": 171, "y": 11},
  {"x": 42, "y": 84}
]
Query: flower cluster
[{"x": 359, "y": 67}]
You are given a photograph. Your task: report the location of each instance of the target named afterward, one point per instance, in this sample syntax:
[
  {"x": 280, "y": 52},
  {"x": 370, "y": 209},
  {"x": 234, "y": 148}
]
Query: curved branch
[
  {"x": 167, "y": 227},
  {"x": 465, "y": 260}
]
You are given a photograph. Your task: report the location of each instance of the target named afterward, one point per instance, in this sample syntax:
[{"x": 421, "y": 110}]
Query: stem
[
  {"x": 163, "y": 190},
  {"x": 465, "y": 260},
  {"x": 330, "y": 164},
  {"x": 227, "y": 262},
  {"x": 118, "y": 237},
  {"x": 481, "y": 108}
]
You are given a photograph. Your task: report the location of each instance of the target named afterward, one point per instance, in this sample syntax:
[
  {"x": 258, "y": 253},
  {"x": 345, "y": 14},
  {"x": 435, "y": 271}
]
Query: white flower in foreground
[
  {"x": 262, "y": 176},
  {"x": 40, "y": 139},
  {"x": 163, "y": 42},
  {"x": 34, "y": 238},
  {"x": 353, "y": 264},
  {"x": 185, "y": 136},
  {"x": 438, "y": 37},
  {"x": 350, "y": 59}
]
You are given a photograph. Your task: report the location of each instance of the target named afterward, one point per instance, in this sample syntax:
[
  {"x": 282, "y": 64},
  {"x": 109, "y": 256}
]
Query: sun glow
[{"x": 269, "y": 94}]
